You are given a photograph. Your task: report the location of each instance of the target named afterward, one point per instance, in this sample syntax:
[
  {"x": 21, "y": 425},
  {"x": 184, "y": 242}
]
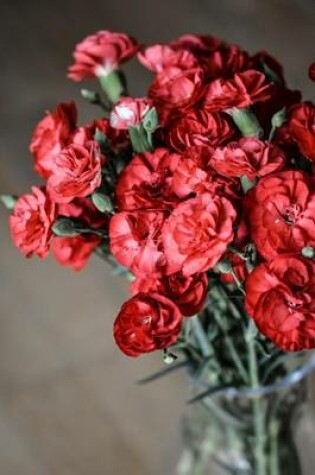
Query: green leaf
[
  {"x": 102, "y": 202},
  {"x": 208, "y": 392},
  {"x": 164, "y": 372},
  {"x": 9, "y": 201}
]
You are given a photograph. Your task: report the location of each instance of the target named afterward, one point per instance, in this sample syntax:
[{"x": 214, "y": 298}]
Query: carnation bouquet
[{"x": 202, "y": 194}]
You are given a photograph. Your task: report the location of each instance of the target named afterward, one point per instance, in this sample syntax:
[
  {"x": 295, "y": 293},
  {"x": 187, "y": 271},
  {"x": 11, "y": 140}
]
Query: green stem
[
  {"x": 201, "y": 337},
  {"x": 258, "y": 409},
  {"x": 247, "y": 122},
  {"x": 274, "y": 452}
]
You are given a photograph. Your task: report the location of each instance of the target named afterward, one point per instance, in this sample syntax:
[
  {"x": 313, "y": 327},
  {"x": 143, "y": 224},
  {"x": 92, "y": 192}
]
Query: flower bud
[
  {"x": 65, "y": 227},
  {"x": 308, "y": 252},
  {"x": 278, "y": 118},
  {"x": 91, "y": 96},
  {"x": 102, "y": 202},
  {"x": 9, "y": 201}
]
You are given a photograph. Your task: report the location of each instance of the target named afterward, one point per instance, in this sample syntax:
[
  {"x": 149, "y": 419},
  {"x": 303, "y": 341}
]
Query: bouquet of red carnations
[{"x": 202, "y": 193}]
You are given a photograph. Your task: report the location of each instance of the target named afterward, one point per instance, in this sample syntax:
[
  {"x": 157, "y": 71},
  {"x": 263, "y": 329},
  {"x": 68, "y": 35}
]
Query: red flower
[
  {"x": 76, "y": 174},
  {"x": 243, "y": 90},
  {"x": 301, "y": 128},
  {"x": 146, "y": 323},
  {"x": 226, "y": 60},
  {"x": 117, "y": 139},
  {"x": 145, "y": 182},
  {"x": 31, "y": 221},
  {"x": 280, "y": 297},
  {"x": 281, "y": 213},
  {"x": 249, "y": 156},
  {"x": 129, "y": 112},
  {"x": 101, "y": 53},
  {"x": 311, "y": 71},
  {"x": 135, "y": 241},
  {"x": 197, "y": 234},
  {"x": 174, "y": 88},
  {"x": 188, "y": 293},
  {"x": 51, "y": 135},
  {"x": 200, "y": 45},
  {"x": 199, "y": 128},
  {"x": 193, "y": 175},
  {"x": 159, "y": 57},
  {"x": 74, "y": 251}
]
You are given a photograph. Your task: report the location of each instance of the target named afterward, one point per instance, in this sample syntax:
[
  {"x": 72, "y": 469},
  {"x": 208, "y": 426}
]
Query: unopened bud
[
  {"x": 90, "y": 96},
  {"x": 102, "y": 202},
  {"x": 64, "y": 227},
  {"x": 278, "y": 118},
  {"x": 308, "y": 252},
  {"x": 9, "y": 201}
]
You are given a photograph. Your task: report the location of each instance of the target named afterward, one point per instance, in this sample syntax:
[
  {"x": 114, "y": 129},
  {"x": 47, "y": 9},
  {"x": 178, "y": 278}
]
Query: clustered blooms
[{"x": 209, "y": 175}]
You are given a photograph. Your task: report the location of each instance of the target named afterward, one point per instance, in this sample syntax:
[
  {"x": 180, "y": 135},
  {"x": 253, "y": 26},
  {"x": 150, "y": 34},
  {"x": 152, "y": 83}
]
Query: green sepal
[
  {"x": 114, "y": 85},
  {"x": 246, "y": 122},
  {"x": 102, "y": 202}
]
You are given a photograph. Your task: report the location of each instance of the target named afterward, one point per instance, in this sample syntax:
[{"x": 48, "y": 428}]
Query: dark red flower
[
  {"x": 31, "y": 222},
  {"x": 135, "y": 241},
  {"x": 301, "y": 128},
  {"x": 280, "y": 297},
  {"x": 225, "y": 61},
  {"x": 146, "y": 323},
  {"x": 280, "y": 212},
  {"x": 117, "y": 140},
  {"x": 249, "y": 156},
  {"x": 245, "y": 89},
  {"x": 101, "y": 53},
  {"x": 188, "y": 293},
  {"x": 199, "y": 128},
  {"x": 200, "y": 45},
  {"x": 51, "y": 135},
  {"x": 311, "y": 71},
  {"x": 146, "y": 181},
  {"x": 76, "y": 174},
  {"x": 197, "y": 233}
]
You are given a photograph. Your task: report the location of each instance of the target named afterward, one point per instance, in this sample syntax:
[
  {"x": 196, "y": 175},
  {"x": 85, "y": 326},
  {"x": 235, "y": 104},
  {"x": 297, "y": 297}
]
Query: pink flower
[
  {"x": 159, "y": 57},
  {"x": 100, "y": 54},
  {"x": 31, "y": 222},
  {"x": 129, "y": 112},
  {"x": 77, "y": 173}
]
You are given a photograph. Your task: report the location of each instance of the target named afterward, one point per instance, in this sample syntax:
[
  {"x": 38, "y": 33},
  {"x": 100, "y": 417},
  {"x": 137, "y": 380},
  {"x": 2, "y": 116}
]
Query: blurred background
[{"x": 69, "y": 402}]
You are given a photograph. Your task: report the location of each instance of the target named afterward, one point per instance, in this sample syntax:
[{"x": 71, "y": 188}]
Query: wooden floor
[{"x": 69, "y": 404}]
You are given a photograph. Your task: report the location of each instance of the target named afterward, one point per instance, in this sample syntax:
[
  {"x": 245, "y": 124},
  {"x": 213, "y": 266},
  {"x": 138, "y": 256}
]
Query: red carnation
[
  {"x": 188, "y": 293},
  {"x": 311, "y": 72},
  {"x": 301, "y": 128},
  {"x": 51, "y": 135},
  {"x": 244, "y": 90},
  {"x": 200, "y": 45},
  {"x": 174, "y": 88},
  {"x": 135, "y": 241},
  {"x": 146, "y": 323},
  {"x": 197, "y": 233},
  {"x": 76, "y": 174},
  {"x": 225, "y": 61},
  {"x": 100, "y": 54},
  {"x": 31, "y": 222},
  {"x": 129, "y": 112},
  {"x": 249, "y": 156},
  {"x": 117, "y": 139},
  {"x": 159, "y": 57},
  {"x": 193, "y": 175},
  {"x": 74, "y": 251},
  {"x": 281, "y": 213},
  {"x": 280, "y": 297},
  {"x": 199, "y": 128},
  {"x": 145, "y": 181}
]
